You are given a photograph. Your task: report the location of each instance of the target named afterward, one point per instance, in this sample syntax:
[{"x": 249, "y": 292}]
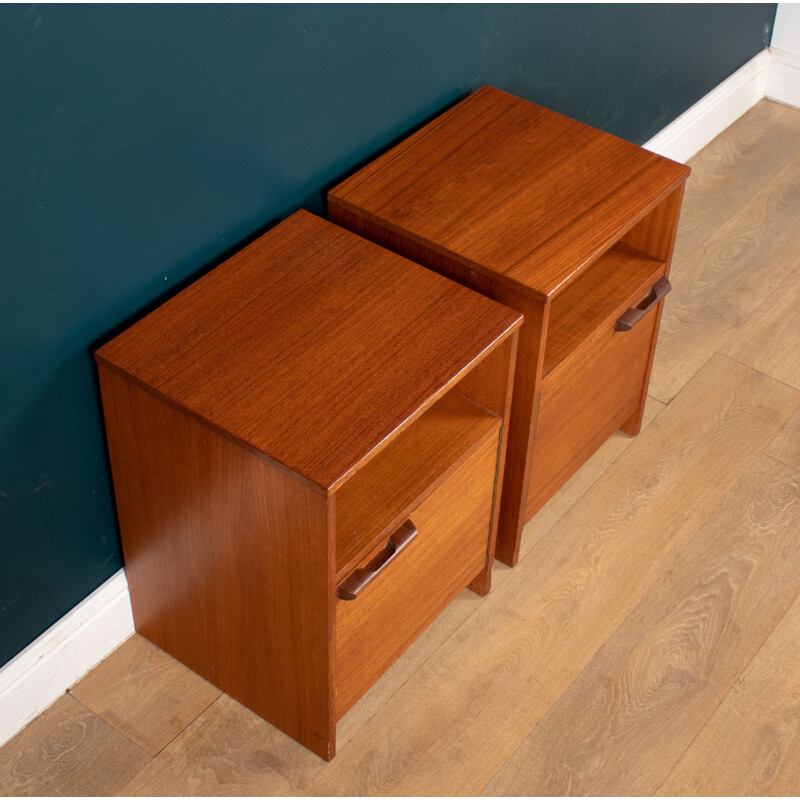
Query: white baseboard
[
  {"x": 63, "y": 654},
  {"x": 710, "y": 115},
  {"x": 783, "y": 83}
]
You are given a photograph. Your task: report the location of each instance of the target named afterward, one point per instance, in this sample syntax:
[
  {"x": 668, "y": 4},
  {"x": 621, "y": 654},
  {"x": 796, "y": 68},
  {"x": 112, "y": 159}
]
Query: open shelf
[
  {"x": 616, "y": 279},
  {"x": 380, "y": 496}
]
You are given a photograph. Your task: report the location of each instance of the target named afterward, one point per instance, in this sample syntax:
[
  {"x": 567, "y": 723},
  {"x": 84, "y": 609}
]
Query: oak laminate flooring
[
  {"x": 469, "y": 708},
  {"x": 145, "y": 694},
  {"x": 751, "y": 744},
  {"x": 228, "y": 750},
  {"x": 770, "y": 340},
  {"x": 69, "y": 751},
  {"x": 786, "y": 445},
  {"x": 638, "y": 705},
  {"x": 727, "y": 172},
  {"x": 720, "y": 284}
]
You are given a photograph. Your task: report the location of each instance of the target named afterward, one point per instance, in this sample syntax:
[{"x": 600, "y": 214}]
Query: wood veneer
[
  {"x": 268, "y": 427},
  {"x": 551, "y": 217}
]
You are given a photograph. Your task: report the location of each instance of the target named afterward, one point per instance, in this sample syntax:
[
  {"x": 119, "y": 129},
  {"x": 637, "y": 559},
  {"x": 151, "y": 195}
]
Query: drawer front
[
  {"x": 584, "y": 401},
  {"x": 447, "y": 553}
]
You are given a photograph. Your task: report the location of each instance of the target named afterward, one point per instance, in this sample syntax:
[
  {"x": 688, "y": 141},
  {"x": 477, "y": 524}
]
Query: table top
[
  {"x": 511, "y": 188},
  {"x": 311, "y": 346}
]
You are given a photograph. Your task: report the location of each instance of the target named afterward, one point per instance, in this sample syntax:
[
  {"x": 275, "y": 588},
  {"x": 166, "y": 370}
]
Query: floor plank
[
  {"x": 468, "y": 709},
  {"x": 145, "y": 694},
  {"x": 770, "y": 340},
  {"x": 228, "y": 750},
  {"x": 633, "y": 711},
  {"x": 751, "y": 744},
  {"x": 68, "y": 751},
  {"x": 786, "y": 445},
  {"x": 728, "y": 171},
  {"x": 721, "y": 283}
]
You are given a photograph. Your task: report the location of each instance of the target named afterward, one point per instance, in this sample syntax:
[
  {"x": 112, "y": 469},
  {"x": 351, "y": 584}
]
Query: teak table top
[
  {"x": 567, "y": 189},
  {"x": 310, "y": 346}
]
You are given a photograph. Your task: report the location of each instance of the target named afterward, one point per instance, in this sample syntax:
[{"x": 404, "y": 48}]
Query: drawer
[
  {"x": 448, "y": 552},
  {"x": 585, "y": 400}
]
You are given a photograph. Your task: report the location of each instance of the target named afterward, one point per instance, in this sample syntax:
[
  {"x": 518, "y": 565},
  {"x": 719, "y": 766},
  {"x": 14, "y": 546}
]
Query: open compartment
[
  {"x": 379, "y": 497},
  {"x": 617, "y": 279}
]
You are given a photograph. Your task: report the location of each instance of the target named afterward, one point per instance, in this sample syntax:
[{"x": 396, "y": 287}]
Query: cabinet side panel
[
  {"x": 487, "y": 382},
  {"x": 491, "y": 384},
  {"x": 654, "y": 235},
  {"x": 227, "y": 560}
]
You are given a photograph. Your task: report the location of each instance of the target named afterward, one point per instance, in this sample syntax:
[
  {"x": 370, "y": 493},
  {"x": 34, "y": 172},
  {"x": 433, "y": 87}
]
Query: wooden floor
[{"x": 648, "y": 642}]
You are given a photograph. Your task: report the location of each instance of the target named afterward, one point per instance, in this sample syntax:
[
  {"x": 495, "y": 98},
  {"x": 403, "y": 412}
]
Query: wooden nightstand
[
  {"x": 569, "y": 225},
  {"x": 306, "y": 444}
]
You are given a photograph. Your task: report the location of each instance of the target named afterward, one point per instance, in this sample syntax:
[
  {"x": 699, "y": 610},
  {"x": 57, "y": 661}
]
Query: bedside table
[
  {"x": 306, "y": 445},
  {"x": 569, "y": 225}
]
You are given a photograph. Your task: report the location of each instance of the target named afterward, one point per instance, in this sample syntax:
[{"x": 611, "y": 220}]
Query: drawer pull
[
  {"x": 351, "y": 587},
  {"x": 629, "y": 318}
]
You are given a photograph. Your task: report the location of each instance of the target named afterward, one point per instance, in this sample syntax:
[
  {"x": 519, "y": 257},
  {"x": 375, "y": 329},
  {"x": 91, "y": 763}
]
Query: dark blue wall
[{"x": 139, "y": 144}]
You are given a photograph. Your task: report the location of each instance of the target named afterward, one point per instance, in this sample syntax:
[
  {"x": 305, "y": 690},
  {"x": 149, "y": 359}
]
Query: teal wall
[{"x": 141, "y": 144}]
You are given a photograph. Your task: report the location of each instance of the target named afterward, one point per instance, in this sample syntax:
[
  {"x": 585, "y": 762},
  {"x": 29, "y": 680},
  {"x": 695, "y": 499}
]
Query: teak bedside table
[
  {"x": 569, "y": 225},
  {"x": 316, "y": 420}
]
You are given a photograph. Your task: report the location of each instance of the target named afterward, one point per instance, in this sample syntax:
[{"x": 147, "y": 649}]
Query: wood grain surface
[
  {"x": 145, "y": 694},
  {"x": 231, "y": 605},
  {"x": 786, "y": 445},
  {"x": 529, "y": 360},
  {"x": 645, "y": 696},
  {"x": 770, "y": 340},
  {"x": 751, "y": 743},
  {"x": 255, "y": 348},
  {"x": 540, "y": 627},
  {"x": 466, "y": 603},
  {"x": 584, "y": 401},
  {"x": 732, "y": 168},
  {"x": 719, "y": 285},
  {"x": 229, "y": 750},
  {"x": 531, "y": 208},
  {"x": 618, "y": 280},
  {"x": 568, "y": 189},
  {"x": 68, "y": 751},
  {"x": 589, "y": 472},
  {"x": 378, "y": 498},
  {"x": 449, "y": 550}
]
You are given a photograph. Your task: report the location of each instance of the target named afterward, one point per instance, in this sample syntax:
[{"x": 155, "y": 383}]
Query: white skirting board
[
  {"x": 63, "y": 654},
  {"x": 37, "y": 677},
  {"x": 710, "y": 115},
  {"x": 783, "y": 81}
]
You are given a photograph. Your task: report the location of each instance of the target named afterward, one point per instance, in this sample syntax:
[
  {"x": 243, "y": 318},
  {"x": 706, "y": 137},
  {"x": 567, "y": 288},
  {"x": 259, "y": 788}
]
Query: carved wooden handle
[
  {"x": 629, "y": 318},
  {"x": 351, "y": 587}
]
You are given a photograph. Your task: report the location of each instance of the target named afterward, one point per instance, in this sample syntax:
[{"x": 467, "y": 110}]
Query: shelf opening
[
  {"x": 601, "y": 293},
  {"x": 381, "y": 494}
]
